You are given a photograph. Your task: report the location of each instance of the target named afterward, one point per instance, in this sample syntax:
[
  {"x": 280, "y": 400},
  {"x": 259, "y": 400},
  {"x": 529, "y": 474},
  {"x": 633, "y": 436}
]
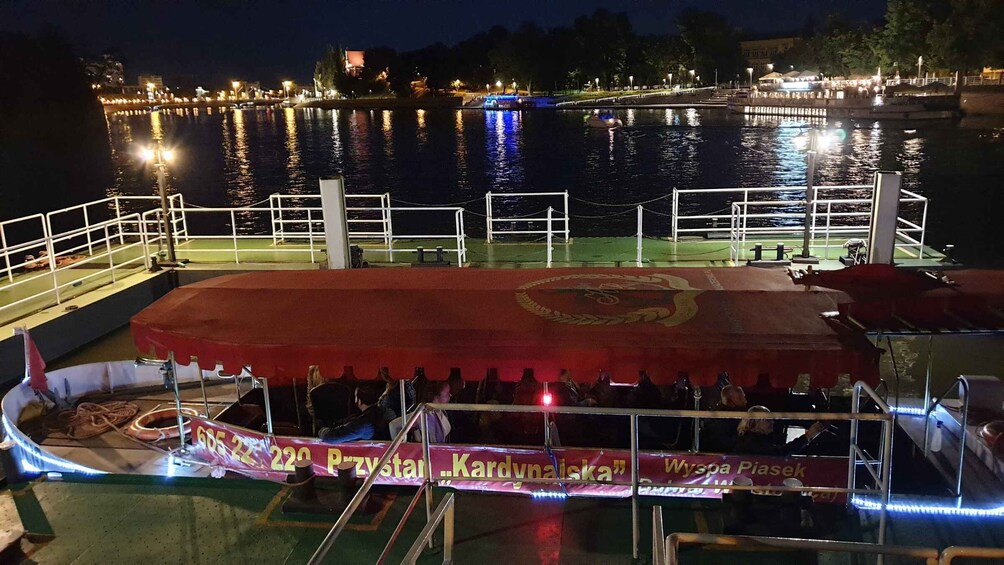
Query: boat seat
[
  {"x": 282, "y": 429},
  {"x": 244, "y": 415},
  {"x": 331, "y": 402}
]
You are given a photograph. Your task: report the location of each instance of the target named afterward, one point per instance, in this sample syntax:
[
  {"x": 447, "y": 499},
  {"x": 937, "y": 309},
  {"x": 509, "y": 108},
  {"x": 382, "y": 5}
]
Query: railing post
[
  {"x": 676, "y": 210},
  {"x": 108, "y": 249},
  {"x": 829, "y": 212},
  {"x": 184, "y": 214},
  {"x": 87, "y": 232},
  {"x": 638, "y": 257},
  {"x": 488, "y": 215},
  {"x": 923, "y": 227},
  {"x": 549, "y": 236},
  {"x": 635, "y": 526},
  {"x": 428, "y": 467},
  {"x": 271, "y": 216},
  {"x": 887, "y": 429},
  {"x": 566, "y": 217},
  {"x": 385, "y": 212},
  {"x": 852, "y": 457},
  {"x": 310, "y": 234},
  {"x": 51, "y": 248},
  {"x": 282, "y": 224},
  {"x": 458, "y": 223},
  {"x": 118, "y": 216},
  {"x": 6, "y": 254},
  {"x": 233, "y": 230}
]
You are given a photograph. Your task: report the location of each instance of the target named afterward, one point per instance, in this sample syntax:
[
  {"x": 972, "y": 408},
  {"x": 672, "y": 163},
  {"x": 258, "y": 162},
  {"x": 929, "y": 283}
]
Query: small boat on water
[{"x": 604, "y": 119}]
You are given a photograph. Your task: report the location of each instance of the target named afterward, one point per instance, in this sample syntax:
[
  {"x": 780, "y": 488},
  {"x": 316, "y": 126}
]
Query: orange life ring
[{"x": 139, "y": 429}]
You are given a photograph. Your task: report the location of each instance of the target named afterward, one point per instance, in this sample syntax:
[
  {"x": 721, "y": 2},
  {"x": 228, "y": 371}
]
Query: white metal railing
[
  {"x": 707, "y": 219},
  {"x": 370, "y": 219},
  {"x": 839, "y": 218},
  {"x": 833, "y": 214},
  {"x": 75, "y": 259},
  {"x": 530, "y": 224},
  {"x": 885, "y": 418},
  {"x": 949, "y": 80},
  {"x": 674, "y": 541}
]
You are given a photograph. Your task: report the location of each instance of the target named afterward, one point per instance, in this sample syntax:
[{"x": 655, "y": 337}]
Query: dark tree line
[
  {"x": 950, "y": 35},
  {"x": 599, "y": 46}
]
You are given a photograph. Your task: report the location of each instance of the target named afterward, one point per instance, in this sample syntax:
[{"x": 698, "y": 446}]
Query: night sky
[{"x": 214, "y": 41}]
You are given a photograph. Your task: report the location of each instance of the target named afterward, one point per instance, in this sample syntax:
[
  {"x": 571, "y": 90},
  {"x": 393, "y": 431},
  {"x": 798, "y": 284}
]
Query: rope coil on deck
[{"x": 92, "y": 419}]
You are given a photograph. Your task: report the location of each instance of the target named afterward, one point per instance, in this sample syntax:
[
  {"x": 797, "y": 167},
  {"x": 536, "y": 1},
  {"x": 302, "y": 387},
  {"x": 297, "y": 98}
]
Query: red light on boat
[{"x": 547, "y": 399}]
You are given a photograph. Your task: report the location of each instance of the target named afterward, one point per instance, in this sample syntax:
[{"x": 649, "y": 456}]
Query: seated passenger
[
  {"x": 568, "y": 392},
  {"x": 369, "y": 424},
  {"x": 756, "y": 436},
  {"x": 720, "y": 435},
  {"x": 436, "y": 422},
  {"x": 390, "y": 402}
]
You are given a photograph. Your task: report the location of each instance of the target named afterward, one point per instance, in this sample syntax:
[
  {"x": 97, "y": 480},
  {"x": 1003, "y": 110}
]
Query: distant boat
[{"x": 603, "y": 120}]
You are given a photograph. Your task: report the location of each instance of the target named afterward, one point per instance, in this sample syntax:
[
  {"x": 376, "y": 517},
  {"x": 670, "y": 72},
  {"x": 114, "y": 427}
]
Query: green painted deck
[
  {"x": 263, "y": 253},
  {"x": 121, "y": 519}
]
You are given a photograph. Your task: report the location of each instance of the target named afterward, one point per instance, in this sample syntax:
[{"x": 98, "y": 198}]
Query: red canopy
[
  {"x": 886, "y": 299},
  {"x": 746, "y": 321}
]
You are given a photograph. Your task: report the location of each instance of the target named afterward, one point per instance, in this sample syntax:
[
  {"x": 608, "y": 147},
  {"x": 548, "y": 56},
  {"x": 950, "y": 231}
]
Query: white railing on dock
[
  {"x": 834, "y": 221},
  {"x": 288, "y": 227},
  {"x": 838, "y": 213},
  {"x": 538, "y": 223},
  {"x": 75, "y": 261}
]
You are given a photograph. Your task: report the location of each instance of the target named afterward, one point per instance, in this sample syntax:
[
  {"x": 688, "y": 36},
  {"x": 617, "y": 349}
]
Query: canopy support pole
[
  {"x": 336, "y": 227},
  {"x": 404, "y": 403},
  {"x": 177, "y": 402},
  {"x": 268, "y": 406},
  {"x": 635, "y": 526},
  {"x": 202, "y": 384},
  {"x": 930, "y": 370},
  {"x": 428, "y": 467}
]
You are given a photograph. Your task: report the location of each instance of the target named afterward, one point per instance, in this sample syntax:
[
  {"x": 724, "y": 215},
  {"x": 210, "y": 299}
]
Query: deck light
[{"x": 547, "y": 399}]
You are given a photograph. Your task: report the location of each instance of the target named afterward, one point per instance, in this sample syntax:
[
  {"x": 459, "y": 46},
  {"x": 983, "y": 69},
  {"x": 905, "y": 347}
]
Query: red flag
[{"x": 34, "y": 365}]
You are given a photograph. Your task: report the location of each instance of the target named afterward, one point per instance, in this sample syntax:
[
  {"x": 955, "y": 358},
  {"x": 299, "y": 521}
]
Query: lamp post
[
  {"x": 236, "y": 86},
  {"x": 597, "y": 79},
  {"x": 159, "y": 157},
  {"x": 770, "y": 67},
  {"x": 670, "y": 75},
  {"x": 692, "y": 72},
  {"x": 818, "y": 141},
  {"x": 920, "y": 65},
  {"x": 749, "y": 71},
  {"x": 631, "y": 82},
  {"x": 286, "y": 84}
]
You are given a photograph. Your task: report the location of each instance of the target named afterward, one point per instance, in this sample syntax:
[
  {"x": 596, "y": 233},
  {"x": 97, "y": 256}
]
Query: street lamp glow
[
  {"x": 498, "y": 84},
  {"x": 749, "y": 70},
  {"x": 168, "y": 155},
  {"x": 770, "y": 67},
  {"x": 147, "y": 154},
  {"x": 235, "y": 84}
]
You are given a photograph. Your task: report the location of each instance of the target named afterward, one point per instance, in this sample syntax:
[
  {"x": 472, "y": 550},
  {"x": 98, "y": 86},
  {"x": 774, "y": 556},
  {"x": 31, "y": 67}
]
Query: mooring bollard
[{"x": 303, "y": 477}]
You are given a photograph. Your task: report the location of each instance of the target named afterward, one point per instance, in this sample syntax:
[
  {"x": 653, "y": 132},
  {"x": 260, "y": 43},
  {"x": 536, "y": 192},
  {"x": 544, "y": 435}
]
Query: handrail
[
  {"x": 950, "y": 553},
  {"x": 714, "y": 414},
  {"x": 884, "y": 475},
  {"x": 673, "y": 542},
  {"x": 357, "y": 500},
  {"x": 658, "y": 535},
  {"x": 964, "y": 394},
  {"x": 404, "y": 519},
  {"x": 444, "y": 513}
]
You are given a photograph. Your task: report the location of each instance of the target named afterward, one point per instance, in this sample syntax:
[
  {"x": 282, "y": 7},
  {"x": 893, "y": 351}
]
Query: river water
[{"x": 231, "y": 157}]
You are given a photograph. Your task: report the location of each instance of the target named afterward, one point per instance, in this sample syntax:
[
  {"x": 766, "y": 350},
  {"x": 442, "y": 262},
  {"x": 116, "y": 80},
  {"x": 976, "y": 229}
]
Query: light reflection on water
[{"x": 237, "y": 157}]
